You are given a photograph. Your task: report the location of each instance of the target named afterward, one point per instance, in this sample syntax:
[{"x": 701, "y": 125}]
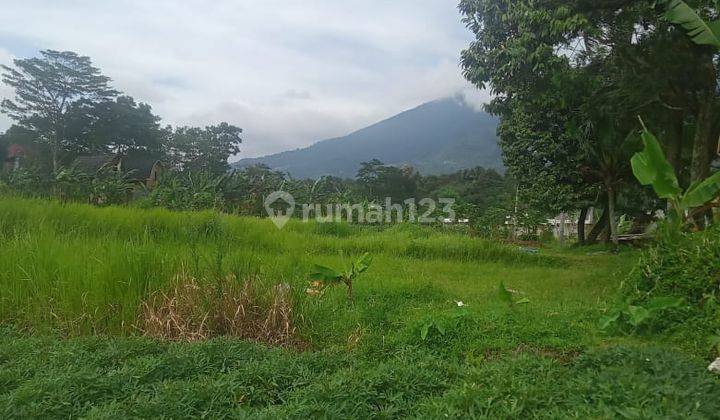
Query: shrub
[{"x": 679, "y": 265}]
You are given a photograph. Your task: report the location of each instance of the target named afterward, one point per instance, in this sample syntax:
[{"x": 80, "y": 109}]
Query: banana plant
[
  {"x": 329, "y": 277},
  {"x": 651, "y": 167},
  {"x": 701, "y": 31}
]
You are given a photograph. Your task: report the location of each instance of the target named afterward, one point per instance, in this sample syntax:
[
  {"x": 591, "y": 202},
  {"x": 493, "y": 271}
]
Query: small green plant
[
  {"x": 714, "y": 341},
  {"x": 652, "y": 168},
  {"x": 329, "y": 277},
  {"x": 441, "y": 324},
  {"x": 430, "y": 325},
  {"x": 635, "y": 315},
  {"x": 506, "y": 295}
]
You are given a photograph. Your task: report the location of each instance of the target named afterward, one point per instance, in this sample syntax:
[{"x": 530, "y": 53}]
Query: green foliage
[
  {"x": 111, "y": 126},
  {"x": 714, "y": 342},
  {"x": 28, "y": 181},
  {"x": 80, "y": 270},
  {"x": 64, "y": 108},
  {"x": 72, "y": 184},
  {"x": 698, "y": 29},
  {"x": 616, "y": 382},
  {"x": 637, "y": 316},
  {"x": 380, "y": 181},
  {"x": 330, "y": 277},
  {"x": 568, "y": 80},
  {"x": 103, "y": 377},
  {"x": 679, "y": 266},
  {"x": 507, "y": 296},
  {"x": 203, "y": 149},
  {"x": 188, "y": 191},
  {"x": 111, "y": 187},
  {"x": 652, "y": 168},
  {"x": 442, "y": 324},
  {"x": 106, "y": 259},
  {"x": 67, "y": 79}
]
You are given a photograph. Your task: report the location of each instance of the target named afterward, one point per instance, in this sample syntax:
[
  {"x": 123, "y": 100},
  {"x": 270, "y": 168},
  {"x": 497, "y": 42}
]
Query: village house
[
  {"x": 141, "y": 168},
  {"x": 14, "y": 157}
]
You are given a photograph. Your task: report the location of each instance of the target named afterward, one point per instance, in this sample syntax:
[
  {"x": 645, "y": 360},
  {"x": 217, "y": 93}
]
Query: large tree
[
  {"x": 570, "y": 78},
  {"x": 114, "y": 126},
  {"x": 380, "y": 181},
  {"x": 203, "y": 149},
  {"x": 46, "y": 88}
]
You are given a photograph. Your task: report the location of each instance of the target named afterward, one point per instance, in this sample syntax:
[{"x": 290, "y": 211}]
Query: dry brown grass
[{"x": 195, "y": 310}]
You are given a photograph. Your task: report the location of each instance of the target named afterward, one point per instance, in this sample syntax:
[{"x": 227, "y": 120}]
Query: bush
[{"x": 679, "y": 265}]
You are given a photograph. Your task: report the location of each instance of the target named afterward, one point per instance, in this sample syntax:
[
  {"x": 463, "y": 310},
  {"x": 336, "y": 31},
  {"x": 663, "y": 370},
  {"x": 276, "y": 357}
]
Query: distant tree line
[
  {"x": 64, "y": 107},
  {"x": 243, "y": 191}
]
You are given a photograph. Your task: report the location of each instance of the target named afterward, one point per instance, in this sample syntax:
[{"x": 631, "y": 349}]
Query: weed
[
  {"x": 189, "y": 313},
  {"x": 506, "y": 295}
]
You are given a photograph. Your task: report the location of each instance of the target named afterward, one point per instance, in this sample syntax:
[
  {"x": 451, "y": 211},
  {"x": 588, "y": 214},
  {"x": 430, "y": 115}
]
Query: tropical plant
[
  {"x": 330, "y": 277},
  {"x": 110, "y": 187},
  {"x": 705, "y": 32},
  {"x": 506, "y": 295},
  {"x": 189, "y": 191},
  {"x": 441, "y": 324},
  {"x": 652, "y": 168},
  {"x": 72, "y": 184},
  {"x": 714, "y": 341},
  {"x": 698, "y": 29},
  {"x": 638, "y": 315}
]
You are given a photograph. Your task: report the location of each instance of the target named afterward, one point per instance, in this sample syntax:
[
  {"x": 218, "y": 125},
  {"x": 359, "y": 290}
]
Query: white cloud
[
  {"x": 289, "y": 72},
  {"x": 5, "y": 91}
]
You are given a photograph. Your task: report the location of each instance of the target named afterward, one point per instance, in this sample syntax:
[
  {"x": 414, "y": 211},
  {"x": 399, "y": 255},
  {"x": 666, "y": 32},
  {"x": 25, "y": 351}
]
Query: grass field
[{"x": 74, "y": 279}]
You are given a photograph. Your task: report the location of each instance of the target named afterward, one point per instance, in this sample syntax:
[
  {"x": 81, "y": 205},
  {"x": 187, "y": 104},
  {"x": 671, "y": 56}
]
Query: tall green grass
[{"x": 84, "y": 269}]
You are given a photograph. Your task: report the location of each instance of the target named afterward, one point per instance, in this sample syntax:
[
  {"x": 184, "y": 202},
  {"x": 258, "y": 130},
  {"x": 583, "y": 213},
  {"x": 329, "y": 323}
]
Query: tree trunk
[
  {"x": 611, "y": 215},
  {"x": 598, "y": 229},
  {"x": 581, "y": 225},
  {"x": 676, "y": 142},
  {"x": 701, "y": 159},
  {"x": 700, "y": 168},
  {"x": 54, "y": 152}
]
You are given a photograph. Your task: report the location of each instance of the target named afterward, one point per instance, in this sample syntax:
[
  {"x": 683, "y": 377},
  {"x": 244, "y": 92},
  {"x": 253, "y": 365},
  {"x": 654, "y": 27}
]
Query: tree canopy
[
  {"x": 64, "y": 107},
  {"x": 570, "y": 80}
]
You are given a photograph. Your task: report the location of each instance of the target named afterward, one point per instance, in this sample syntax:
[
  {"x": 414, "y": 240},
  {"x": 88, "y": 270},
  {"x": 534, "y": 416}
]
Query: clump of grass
[{"x": 187, "y": 312}]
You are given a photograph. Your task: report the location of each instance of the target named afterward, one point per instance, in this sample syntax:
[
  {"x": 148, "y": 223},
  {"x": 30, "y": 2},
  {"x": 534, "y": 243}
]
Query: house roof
[
  {"x": 93, "y": 163},
  {"x": 16, "y": 150},
  {"x": 139, "y": 163}
]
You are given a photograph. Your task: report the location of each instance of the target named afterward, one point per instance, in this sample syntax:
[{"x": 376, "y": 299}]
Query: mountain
[{"x": 437, "y": 137}]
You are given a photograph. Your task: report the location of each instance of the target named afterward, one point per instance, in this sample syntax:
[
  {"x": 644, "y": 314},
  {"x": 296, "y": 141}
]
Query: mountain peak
[{"x": 437, "y": 137}]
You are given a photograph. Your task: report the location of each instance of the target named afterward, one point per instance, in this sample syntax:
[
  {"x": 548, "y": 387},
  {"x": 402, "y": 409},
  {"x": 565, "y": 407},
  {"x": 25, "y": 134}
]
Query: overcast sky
[{"x": 288, "y": 72}]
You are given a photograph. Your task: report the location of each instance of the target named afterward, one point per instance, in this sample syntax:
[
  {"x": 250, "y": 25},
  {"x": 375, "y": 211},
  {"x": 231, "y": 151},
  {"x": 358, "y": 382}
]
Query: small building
[
  {"x": 14, "y": 157},
  {"x": 570, "y": 227},
  {"x": 93, "y": 164},
  {"x": 141, "y": 168}
]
